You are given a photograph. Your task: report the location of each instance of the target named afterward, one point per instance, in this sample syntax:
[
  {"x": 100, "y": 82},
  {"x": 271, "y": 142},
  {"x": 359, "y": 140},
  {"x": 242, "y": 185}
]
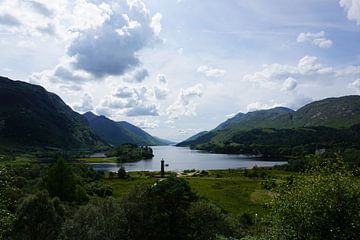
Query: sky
[{"x": 178, "y": 67}]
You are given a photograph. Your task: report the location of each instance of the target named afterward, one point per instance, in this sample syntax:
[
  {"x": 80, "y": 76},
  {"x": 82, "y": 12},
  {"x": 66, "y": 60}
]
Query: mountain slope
[
  {"x": 275, "y": 117},
  {"x": 192, "y": 139},
  {"x": 31, "y": 116},
  {"x": 330, "y": 112},
  {"x": 116, "y": 133},
  {"x": 339, "y": 112}
]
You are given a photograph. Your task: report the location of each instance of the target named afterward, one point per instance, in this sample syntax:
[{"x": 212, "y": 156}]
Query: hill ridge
[
  {"x": 120, "y": 132},
  {"x": 334, "y": 112},
  {"x": 32, "y": 116}
]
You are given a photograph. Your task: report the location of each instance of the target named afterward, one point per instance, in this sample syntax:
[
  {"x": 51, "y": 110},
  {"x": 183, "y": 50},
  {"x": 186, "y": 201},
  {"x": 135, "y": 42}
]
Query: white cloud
[
  {"x": 186, "y": 102},
  {"x": 25, "y": 44},
  {"x": 161, "y": 78},
  {"x": 29, "y": 18},
  {"x": 131, "y": 102},
  {"x": 317, "y": 39},
  {"x": 352, "y": 8},
  {"x": 289, "y": 84},
  {"x": 146, "y": 124},
  {"x": 89, "y": 16},
  {"x": 231, "y": 115},
  {"x": 296, "y": 101},
  {"x": 86, "y": 104},
  {"x": 187, "y": 131},
  {"x": 211, "y": 71},
  {"x": 180, "y": 51},
  {"x": 260, "y": 106},
  {"x": 349, "y": 70},
  {"x": 103, "y": 39},
  {"x": 355, "y": 85},
  {"x": 161, "y": 90},
  {"x": 308, "y": 70},
  {"x": 137, "y": 75},
  {"x": 9, "y": 20},
  {"x": 40, "y": 8},
  {"x": 61, "y": 74},
  {"x": 156, "y": 23},
  {"x": 112, "y": 47}
]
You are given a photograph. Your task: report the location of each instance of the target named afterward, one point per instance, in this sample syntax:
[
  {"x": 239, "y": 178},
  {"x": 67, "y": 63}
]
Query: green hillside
[
  {"x": 116, "y": 133},
  {"x": 278, "y": 117},
  {"x": 324, "y": 122},
  {"x": 192, "y": 139},
  {"x": 30, "y": 116},
  {"x": 332, "y": 112}
]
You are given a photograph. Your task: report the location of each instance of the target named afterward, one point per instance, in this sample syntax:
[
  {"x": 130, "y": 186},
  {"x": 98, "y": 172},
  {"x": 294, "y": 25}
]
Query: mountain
[
  {"x": 192, "y": 139},
  {"x": 165, "y": 141},
  {"x": 142, "y": 135},
  {"x": 342, "y": 112},
  {"x": 258, "y": 119},
  {"x": 33, "y": 117},
  {"x": 116, "y": 133},
  {"x": 339, "y": 112}
]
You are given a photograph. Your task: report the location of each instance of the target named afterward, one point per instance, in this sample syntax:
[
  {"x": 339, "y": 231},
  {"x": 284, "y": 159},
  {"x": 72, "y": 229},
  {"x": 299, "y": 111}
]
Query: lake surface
[{"x": 181, "y": 158}]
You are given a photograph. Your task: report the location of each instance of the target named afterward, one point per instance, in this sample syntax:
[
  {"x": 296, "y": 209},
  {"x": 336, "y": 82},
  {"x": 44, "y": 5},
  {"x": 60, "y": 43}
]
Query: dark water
[{"x": 180, "y": 159}]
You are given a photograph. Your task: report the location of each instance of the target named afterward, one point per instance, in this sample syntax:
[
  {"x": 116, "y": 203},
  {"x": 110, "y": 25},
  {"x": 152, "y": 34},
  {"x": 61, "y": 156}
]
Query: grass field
[
  {"x": 236, "y": 195},
  {"x": 229, "y": 189}
]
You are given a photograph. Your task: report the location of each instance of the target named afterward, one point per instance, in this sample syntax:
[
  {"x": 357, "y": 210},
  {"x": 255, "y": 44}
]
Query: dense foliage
[
  {"x": 130, "y": 153},
  {"x": 64, "y": 201},
  {"x": 322, "y": 205},
  {"x": 6, "y": 216}
]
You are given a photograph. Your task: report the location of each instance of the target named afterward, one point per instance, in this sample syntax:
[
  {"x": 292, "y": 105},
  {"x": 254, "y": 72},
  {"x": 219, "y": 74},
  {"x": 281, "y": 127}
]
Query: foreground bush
[
  {"x": 324, "y": 205},
  {"x": 98, "y": 220},
  {"x": 38, "y": 217}
]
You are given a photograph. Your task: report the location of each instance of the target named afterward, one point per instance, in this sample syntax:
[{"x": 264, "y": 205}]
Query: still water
[{"x": 181, "y": 158}]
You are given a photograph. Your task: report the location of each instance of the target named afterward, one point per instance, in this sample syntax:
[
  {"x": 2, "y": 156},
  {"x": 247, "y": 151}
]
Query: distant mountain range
[
  {"x": 342, "y": 112},
  {"x": 116, "y": 133},
  {"x": 30, "y": 116}
]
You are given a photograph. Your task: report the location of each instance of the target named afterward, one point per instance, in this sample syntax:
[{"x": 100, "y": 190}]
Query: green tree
[
  {"x": 103, "y": 219},
  {"x": 206, "y": 221},
  {"x": 38, "y": 218},
  {"x": 323, "y": 205},
  {"x": 160, "y": 211},
  {"x": 171, "y": 199},
  {"x": 122, "y": 173},
  {"x": 60, "y": 181}
]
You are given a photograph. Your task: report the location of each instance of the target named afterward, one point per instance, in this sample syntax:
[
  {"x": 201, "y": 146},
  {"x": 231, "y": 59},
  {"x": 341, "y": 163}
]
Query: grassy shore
[{"x": 235, "y": 191}]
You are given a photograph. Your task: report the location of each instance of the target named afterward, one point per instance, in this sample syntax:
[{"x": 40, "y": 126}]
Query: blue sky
[{"x": 177, "y": 67}]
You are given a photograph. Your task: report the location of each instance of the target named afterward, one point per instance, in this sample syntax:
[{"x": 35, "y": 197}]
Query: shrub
[
  {"x": 38, "y": 217},
  {"x": 324, "y": 205}
]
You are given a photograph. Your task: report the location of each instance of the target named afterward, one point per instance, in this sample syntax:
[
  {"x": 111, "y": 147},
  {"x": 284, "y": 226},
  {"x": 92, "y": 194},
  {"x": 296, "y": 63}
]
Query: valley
[{"x": 236, "y": 176}]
